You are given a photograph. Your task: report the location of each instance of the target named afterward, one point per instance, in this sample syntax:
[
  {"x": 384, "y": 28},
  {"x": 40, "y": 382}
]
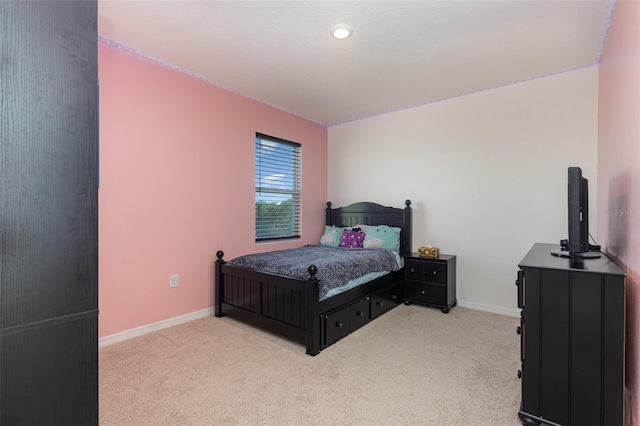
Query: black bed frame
[{"x": 291, "y": 307}]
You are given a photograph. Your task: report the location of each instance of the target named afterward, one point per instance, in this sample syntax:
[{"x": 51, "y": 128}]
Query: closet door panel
[
  {"x": 48, "y": 375},
  {"x": 48, "y": 167}
]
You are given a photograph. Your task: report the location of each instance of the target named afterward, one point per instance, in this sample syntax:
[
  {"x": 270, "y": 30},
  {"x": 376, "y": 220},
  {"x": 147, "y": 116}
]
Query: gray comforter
[{"x": 336, "y": 266}]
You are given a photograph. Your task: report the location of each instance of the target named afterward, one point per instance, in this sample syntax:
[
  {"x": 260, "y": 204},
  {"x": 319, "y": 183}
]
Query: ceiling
[{"x": 401, "y": 53}]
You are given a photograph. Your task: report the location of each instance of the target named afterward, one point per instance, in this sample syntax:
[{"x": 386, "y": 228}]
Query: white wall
[{"x": 486, "y": 173}]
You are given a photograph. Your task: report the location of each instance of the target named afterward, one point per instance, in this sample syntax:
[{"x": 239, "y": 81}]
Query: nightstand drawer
[
  {"x": 413, "y": 270},
  {"x": 435, "y": 272},
  {"x": 422, "y": 270},
  {"x": 426, "y": 293}
]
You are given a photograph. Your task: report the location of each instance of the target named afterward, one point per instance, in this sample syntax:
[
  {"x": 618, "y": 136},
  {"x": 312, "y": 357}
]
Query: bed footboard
[{"x": 282, "y": 304}]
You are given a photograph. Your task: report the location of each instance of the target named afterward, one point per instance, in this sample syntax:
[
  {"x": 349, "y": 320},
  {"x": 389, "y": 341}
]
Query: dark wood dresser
[{"x": 572, "y": 339}]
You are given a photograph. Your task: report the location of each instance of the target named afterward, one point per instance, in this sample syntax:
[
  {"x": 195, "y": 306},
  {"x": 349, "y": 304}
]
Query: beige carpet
[{"x": 412, "y": 366}]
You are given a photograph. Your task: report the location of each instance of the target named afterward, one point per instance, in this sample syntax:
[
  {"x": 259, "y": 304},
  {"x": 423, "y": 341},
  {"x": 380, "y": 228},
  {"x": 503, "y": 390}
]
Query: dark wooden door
[{"x": 48, "y": 212}]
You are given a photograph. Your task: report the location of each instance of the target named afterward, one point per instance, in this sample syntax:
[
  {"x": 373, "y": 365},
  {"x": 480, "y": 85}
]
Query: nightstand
[{"x": 430, "y": 281}]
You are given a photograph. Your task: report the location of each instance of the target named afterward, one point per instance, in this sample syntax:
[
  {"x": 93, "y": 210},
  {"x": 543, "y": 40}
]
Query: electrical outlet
[{"x": 173, "y": 281}]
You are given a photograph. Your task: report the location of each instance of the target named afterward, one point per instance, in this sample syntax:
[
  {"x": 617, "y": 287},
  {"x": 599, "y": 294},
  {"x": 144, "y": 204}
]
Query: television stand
[{"x": 583, "y": 255}]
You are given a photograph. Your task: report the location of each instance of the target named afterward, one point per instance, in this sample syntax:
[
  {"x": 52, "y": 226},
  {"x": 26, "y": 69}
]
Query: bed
[{"x": 293, "y": 306}]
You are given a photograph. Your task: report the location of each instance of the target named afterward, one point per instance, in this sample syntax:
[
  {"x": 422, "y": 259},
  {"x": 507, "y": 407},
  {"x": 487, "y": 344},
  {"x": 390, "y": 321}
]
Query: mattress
[{"x": 339, "y": 269}]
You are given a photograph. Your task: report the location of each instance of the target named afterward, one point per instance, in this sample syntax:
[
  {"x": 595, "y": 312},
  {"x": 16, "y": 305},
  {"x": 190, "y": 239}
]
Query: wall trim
[
  {"x": 156, "y": 326},
  {"x": 170, "y": 322},
  {"x": 487, "y": 308}
]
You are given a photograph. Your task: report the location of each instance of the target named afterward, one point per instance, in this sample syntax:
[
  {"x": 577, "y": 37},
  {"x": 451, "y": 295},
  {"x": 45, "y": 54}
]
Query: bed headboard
[{"x": 366, "y": 213}]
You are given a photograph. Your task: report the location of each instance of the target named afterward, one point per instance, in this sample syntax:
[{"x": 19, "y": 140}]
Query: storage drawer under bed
[
  {"x": 385, "y": 299},
  {"x": 340, "y": 322}
]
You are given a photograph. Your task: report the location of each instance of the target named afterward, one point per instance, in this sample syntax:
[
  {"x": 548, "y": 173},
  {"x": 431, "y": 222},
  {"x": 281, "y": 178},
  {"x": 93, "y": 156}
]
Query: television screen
[
  {"x": 578, "y": 209},
  {"x": 577, "y": 244}
]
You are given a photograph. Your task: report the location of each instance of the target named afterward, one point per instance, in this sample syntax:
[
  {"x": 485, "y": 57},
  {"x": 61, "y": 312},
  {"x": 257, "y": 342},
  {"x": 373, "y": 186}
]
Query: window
[{"x": 277, "y": 188}]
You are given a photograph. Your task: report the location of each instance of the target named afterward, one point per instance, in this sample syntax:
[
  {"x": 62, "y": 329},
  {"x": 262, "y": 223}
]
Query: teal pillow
[
  {"x": 331, "y": 236},
  {"x": 382, "y": 236}
]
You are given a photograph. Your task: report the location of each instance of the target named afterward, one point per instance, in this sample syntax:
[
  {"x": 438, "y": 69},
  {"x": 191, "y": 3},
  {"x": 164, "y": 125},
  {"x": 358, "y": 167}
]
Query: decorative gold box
[{"x": 429, "y": 252}]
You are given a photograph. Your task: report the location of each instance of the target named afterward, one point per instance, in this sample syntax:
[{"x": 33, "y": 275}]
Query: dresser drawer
[{"x": 425, "y": 293}]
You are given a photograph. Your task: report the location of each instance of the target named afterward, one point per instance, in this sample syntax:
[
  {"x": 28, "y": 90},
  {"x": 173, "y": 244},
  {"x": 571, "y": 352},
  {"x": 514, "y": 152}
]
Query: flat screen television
[{"x": 577, "y": 243}]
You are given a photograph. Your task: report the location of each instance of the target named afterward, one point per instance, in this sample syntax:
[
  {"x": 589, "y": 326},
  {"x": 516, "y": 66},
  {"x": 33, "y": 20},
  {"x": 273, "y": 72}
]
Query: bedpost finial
[
  {"x": 313, "y": 270},
  {"x": 407, "y": 203},
  {"x": 328, "y": 204},
  {"x": 219, "y": 254}
]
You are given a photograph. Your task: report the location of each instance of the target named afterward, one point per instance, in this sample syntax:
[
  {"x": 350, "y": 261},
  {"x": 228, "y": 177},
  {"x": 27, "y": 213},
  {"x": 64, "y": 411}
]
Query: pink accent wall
[
  {"x": 177, "y": 185},
  {"x": 618, "y": 202}
]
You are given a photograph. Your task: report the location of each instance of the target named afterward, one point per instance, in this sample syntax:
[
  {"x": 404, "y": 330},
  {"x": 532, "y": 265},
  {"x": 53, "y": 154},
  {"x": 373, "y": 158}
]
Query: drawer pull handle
[
  {"x": 378, "y": 303},
  {"x": 423, "y": 292},
  {"x": 435, "y": 272},
  {"x": 359, "y": 313},
  {"x": 412, "y": 270},
  {"x": 338, "y": 324}
]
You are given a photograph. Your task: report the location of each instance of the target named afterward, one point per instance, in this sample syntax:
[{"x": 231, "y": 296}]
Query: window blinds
[{"x": 277, "y": 188}]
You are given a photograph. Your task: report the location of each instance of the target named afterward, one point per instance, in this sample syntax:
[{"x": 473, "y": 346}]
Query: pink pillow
[{"x": 351, "y": 238}]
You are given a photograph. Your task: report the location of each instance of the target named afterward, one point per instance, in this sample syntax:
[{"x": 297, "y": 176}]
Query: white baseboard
[
  {"x": 488, "y": 308},
  {"x": 156, "y": 326},
  {"x": 149, "y": 328}
]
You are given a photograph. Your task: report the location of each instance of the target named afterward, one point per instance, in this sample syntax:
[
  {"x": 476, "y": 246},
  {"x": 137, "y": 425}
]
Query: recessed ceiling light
[{"x": 341, "y": 31}]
